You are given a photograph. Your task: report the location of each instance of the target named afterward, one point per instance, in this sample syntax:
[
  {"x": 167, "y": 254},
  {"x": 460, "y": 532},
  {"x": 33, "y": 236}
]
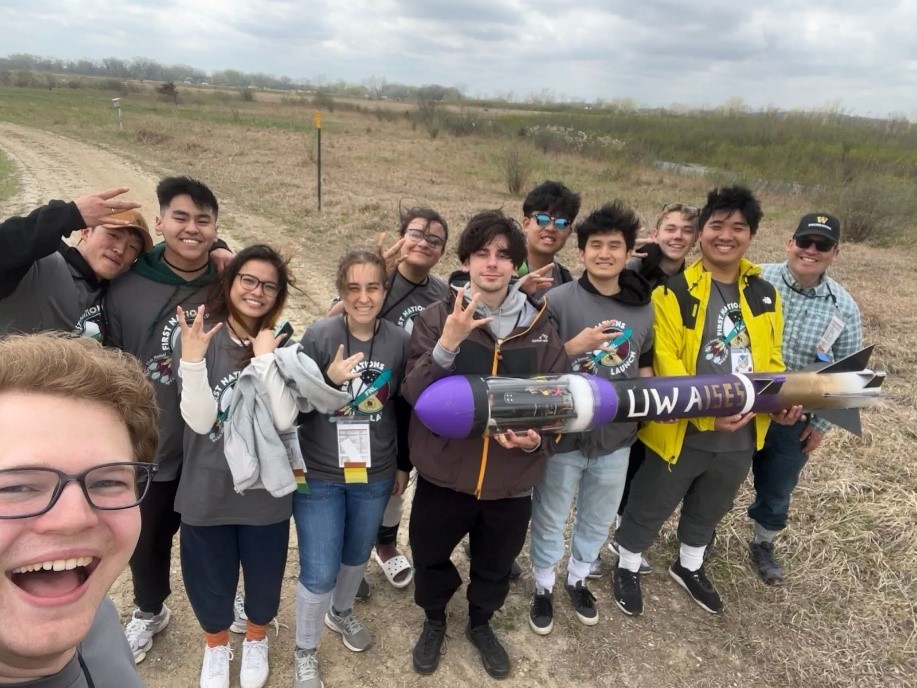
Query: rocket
[{"x": 472, "y": 406}]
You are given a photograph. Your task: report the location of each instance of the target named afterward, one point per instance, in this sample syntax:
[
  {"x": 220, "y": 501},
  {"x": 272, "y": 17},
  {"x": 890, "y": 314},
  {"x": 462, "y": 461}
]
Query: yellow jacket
[{"x": 678, "y": 342}]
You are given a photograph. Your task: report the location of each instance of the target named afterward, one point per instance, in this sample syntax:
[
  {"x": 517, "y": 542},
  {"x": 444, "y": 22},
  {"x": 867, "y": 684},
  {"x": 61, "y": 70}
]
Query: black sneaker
[
  {"x": 363, "y": 592},
  {"x": 583, "y": 603},
  {"x": 515, "y": 571},
  {"x": 429, "y": 647},
  {"x": 541, "y": 612},
  {"x": 645, "y": 568},
  {"x": 626, "y": 587},
  {"x": 493, "y": 655},
  {"x": 698, "y": 586},
  {"x": 762, "y": 553}
]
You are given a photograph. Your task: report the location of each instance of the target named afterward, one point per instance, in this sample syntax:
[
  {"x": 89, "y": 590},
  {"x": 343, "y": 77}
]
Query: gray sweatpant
[{"x": 707, "y": 482}]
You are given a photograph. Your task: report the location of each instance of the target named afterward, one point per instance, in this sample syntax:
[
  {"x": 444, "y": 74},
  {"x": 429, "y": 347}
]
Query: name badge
[
  {"x": 294, "y": 453},
  {"x": 741, "y": 360},
  {"x": 832, "y": 332}
]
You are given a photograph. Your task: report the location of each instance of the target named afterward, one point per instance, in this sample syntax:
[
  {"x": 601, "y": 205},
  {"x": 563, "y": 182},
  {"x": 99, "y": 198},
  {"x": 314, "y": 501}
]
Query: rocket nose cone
[{"x": 447, "y": 407}]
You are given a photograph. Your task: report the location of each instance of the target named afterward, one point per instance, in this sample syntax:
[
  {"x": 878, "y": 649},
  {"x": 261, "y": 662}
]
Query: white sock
[
  {"x": 576, "y": 571},
  {"x": 762, "y": 534},
  {"x": 629, "y": 560},
  {"x": 692, "y": 558},
  {"x": 544, "y": 578}
]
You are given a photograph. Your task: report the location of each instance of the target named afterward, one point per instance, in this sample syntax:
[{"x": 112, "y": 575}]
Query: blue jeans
[
  {"x": 776, "y": 471},
  {"x": 336, "y": 523},
  {"x": 597, "y": 484}
]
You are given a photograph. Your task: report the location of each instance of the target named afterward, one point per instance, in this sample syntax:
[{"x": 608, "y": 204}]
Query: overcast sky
[{"x": 860, "y": 56}]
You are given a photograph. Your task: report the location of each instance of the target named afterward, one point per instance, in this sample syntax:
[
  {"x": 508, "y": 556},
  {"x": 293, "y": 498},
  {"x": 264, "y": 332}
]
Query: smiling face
[
  {"x": 109, "y": 251},
  {"x": 417, "y": 252},
  {"x": 363, "y": 292},
  {"x": 724, "y": 239},
  {"x": 605, "y": 256},
  {"x": 189, "y": 232},
  {"x": 809, "y": 264},
  {"x": 675, "y": 233},
  {"x": 490, "y": 268},
  {"x": 544, "y": 241},
  {"x": 46, "y": 613},
  {"x": 253, "y": 300}
]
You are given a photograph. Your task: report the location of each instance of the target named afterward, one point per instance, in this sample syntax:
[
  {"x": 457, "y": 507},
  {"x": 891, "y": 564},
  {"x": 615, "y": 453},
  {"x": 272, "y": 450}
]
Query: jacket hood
[
  {"x": 78, "y": 264},
  {"x": 516, "y": 310},
  {"x": 151, "y": 266},
  {"x": 635, "y": 291}
]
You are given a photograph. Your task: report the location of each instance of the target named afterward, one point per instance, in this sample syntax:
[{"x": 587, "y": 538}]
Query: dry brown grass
[{"x": 845, "y": 617}]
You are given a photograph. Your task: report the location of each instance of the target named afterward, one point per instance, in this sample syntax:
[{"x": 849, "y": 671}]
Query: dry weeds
[{"x": 846, "y": 615}]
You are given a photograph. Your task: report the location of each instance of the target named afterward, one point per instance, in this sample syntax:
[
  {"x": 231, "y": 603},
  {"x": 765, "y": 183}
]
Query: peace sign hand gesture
[
  {"x": 341, "y": 369},
  {"x": 461, "y": 322},
  {"x": 537, "y": 279},
  {"x": 194, "y": 341},
  {"x": 391, "y": 255}
]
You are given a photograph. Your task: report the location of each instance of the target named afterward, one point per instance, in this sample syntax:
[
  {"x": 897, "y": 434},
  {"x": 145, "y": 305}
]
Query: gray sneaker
[
  {"x": 762, "y": 553},
  {"x": 141, "y": 629},
  {"x": 306, "y": 673},
  {"x": 353, "y": 633},
  {"x": 240, "y": 621}
]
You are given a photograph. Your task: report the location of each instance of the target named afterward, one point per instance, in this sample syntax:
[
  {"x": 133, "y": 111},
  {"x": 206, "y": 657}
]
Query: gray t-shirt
[
  {"x": 53, "y": 295},
  {"x": 141, "y": 320},
  {"x": 372, "y": 396},
  {"x": 573, "y": 309},
  {"x": 725, "y": 344},
  {"x": 206, "y": 496},
  {"x": 405, "y": 299},
  {"x": 105, "y": 654}
]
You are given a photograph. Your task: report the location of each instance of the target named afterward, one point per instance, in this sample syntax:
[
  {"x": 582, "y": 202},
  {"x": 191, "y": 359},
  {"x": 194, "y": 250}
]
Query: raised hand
[
  {"x": 341, "y": 369},
  {"x": 392, "y": 255},
  {"x": 536, "y": 280},
  {"x": 265, "y": 342},
  {"x": 640, "y": 246},
  {"x": 590, "y": 339},
  {"x": 194, "y": 340},
  {"x": 461, "y": 322},
  {"x": 97, "y": 208}
]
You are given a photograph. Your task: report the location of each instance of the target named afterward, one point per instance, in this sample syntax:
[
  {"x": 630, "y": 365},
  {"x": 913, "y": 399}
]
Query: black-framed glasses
[
  {"x": 821, "y": 245},
  {"x": 691, "y": 210},
  {"x": 434, "y": 240},
  {"x": 543, "y": 220},
  {"x": 250, "y": 283},
  {"x": 27, "y": 492}
]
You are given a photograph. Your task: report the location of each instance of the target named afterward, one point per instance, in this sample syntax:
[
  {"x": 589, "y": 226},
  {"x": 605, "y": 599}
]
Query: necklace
[{"x": 178, "y": 269}]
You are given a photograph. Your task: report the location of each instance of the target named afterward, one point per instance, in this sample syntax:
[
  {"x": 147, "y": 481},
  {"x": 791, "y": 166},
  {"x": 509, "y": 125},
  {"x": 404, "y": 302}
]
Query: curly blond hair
[{"x": 79, "y": 368}]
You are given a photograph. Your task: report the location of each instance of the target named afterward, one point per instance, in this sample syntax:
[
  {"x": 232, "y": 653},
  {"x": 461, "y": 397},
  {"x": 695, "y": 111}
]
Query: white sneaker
[
  {"x": 215, "y": 667},
  {"x": 255, "y": 666},
  {"x": 240, "y": 622},
  {"x": 141, "y": 629},
  {"x": 306, "y": 673}
]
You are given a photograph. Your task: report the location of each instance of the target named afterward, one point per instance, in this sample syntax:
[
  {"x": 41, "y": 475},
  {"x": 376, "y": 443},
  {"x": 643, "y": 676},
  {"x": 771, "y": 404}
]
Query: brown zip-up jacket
[{"x": 477, "y": 465}]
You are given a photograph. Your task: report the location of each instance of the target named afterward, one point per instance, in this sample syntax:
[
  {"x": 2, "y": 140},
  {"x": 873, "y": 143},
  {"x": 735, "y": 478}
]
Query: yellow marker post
[{"x": 318, "y": 134}]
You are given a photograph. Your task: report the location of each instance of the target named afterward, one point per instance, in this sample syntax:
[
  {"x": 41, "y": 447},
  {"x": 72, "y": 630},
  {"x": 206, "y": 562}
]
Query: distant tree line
[{"x": 145, "y": 69}]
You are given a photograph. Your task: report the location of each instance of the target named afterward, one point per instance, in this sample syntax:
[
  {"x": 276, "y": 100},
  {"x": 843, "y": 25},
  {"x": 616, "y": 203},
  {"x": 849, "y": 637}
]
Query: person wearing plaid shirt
[{"x": 821, "y": 323}]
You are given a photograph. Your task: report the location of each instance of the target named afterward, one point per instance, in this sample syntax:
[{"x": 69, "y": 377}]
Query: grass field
[
  {"x": 7, "y": 178},
  {"x": 846, "y": 616}
]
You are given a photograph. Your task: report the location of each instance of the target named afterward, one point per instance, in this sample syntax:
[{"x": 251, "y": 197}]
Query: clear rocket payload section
[{"x": 471, "y": 406}]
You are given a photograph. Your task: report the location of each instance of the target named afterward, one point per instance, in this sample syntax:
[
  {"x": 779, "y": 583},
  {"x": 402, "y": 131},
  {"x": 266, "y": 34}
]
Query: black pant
[
  {"x": 210, "y": 560},
  {"x": 634, "y": 461},
  {"x": 151, "y": 560},
  {"x": 440, "y": 518}
]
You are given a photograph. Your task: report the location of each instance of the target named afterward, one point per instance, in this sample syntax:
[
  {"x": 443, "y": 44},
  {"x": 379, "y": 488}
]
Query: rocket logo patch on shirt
[
  {"x": 731, "y": 334},
  {"x": 89, "y": 323},
  {"x": 222, "y": 393},
  {"x": 406, "y": 319},
  {"x": 159, "y": 367},
  {"x": 368, "y": 393},
  {"x": 619, "y": 356}
]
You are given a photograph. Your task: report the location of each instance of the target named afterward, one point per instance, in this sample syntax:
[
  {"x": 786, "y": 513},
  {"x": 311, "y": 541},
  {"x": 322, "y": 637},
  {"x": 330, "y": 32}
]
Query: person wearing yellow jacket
[{"x": 718, "y": 317}]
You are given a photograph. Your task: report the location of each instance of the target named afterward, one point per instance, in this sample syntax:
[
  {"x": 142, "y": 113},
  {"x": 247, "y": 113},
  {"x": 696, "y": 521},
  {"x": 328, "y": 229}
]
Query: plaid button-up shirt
[{"x": 807, "y": 311}]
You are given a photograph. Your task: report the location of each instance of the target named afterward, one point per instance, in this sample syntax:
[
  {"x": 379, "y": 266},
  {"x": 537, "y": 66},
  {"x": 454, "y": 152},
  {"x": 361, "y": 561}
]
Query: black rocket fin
[
  {"x": 766, "y": 386},
  {"x": 849, "y": 419},
  {"x": 876, "y": 380},
  {"x": 852, "y": 364}
]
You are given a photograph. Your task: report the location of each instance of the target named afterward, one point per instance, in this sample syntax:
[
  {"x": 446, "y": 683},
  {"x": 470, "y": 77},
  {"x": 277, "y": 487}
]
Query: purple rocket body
[{"x": 468, "y": 406}]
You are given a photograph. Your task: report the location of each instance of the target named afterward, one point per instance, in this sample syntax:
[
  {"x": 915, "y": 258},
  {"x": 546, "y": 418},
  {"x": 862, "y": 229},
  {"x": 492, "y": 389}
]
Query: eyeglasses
[
  {"x": 250, "y": 283},
  {"x": 28, "y": 492},
  {"x": 543, "y": 220},
  {"x": 691, "y": 210},
  {"x": 821, "y": 245},
  {"x": 434, "y": 240}
]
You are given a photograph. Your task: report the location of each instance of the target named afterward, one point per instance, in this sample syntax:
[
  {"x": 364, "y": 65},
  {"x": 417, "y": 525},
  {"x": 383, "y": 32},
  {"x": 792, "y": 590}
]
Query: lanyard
[
  {"x": 372, "y": 344},
  {"x": 386, "y": 311},
  {"x": 813, "y": 296}
]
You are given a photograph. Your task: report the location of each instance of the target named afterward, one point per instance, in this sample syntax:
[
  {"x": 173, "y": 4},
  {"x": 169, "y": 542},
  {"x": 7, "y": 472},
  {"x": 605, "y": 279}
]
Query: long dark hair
[{"x": 219, "y": 305}]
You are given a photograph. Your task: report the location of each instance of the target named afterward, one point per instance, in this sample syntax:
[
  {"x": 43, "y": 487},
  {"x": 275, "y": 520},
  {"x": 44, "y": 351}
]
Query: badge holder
[
  {"x": 294, "y": 457},
  {"x": 354, "y": 454},
  {"x": 832, "y": 332}
]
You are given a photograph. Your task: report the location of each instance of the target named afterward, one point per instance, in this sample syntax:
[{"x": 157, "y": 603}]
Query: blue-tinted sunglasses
[{"x": 543, "y": 220}]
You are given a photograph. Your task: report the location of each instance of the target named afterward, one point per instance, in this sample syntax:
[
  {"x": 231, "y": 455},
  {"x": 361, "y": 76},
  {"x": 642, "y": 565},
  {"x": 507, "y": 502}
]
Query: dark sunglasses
[
  {"x": 821, "y": 245},
  {"x": 543, "y": 220}
]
